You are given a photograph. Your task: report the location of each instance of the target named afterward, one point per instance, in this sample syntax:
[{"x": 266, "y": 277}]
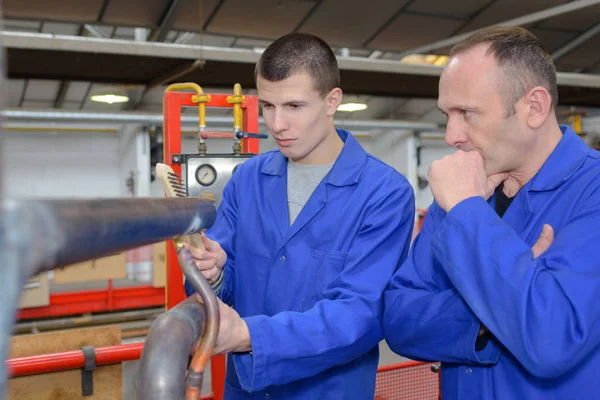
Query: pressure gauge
[{"x": 206, "y": 174}]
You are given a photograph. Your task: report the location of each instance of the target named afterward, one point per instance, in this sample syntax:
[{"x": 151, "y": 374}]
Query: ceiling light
[
  {"x": 431, "y": 59},
  {"x": 110, "y": 96},
  {"x": 351, "y": 107}
]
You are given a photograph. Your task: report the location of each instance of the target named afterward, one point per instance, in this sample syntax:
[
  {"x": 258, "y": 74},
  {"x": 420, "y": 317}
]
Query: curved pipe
[
  {"x": 204, "y": 351},
  {"x": 162, "y": 370},
  {"x": 172, "y": 337}
]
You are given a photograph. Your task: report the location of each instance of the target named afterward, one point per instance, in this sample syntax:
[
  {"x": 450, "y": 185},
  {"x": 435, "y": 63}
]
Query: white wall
[
  {"x": 134, "y": 161},
  {"x": 87, "y": 165},
  {"x": 392, "y": 148},
  {"x": 431, "y": 150},
  {"x": 61, "y": 165}
]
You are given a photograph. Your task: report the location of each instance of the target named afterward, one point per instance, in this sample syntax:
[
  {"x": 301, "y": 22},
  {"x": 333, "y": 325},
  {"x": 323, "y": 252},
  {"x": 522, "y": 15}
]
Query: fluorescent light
[
  {"x": 351, "y": 107},
  {"x": 110, "y": 98},
  {"x": 109, "y": 95}
]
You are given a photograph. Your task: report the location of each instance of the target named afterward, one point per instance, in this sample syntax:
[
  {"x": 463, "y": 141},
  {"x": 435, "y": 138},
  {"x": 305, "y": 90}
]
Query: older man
[{"x": 507, "y": 319}]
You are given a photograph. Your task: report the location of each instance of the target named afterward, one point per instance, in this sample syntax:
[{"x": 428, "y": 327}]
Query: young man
[
  {"x": 507, "y": 320},
  {"x": 306, "y": 239}
]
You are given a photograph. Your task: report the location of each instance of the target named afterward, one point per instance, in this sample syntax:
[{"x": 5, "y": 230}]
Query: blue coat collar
[
  {"x": 563, "y": 162},
  {"x": 345, "y": 171}
]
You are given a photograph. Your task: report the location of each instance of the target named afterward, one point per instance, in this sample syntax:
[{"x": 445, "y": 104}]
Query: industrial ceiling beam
[
  {"x": 523, "y": 20},
  {"x": 166, "y": 22},
  {"x": 576, "y": 42},
  {"x": 41, "y": 41},
  {"x": 94, "y": 31},
  {"x": 61, "y": 94}
]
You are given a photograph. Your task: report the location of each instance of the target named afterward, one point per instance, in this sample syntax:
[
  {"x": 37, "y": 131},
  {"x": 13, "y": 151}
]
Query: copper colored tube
[{"x": 211, "y": 329}]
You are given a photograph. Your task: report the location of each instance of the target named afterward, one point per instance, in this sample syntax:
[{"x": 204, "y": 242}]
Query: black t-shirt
[{"x": 502, "y": 203}]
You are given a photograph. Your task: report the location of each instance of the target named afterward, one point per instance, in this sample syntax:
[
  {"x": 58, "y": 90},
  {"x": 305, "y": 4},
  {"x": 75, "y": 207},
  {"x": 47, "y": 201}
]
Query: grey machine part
[
  {"x": 210, "y": 173},
  {"x": 41, "y": 235}
]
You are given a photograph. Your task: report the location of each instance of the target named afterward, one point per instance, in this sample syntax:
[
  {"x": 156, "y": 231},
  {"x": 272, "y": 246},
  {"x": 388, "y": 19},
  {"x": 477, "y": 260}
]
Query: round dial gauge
[{"x": 206, "y": 174}]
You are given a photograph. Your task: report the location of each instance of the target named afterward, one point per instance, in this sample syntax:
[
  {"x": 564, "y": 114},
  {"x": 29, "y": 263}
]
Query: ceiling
[{"x": 75, "y": 47}]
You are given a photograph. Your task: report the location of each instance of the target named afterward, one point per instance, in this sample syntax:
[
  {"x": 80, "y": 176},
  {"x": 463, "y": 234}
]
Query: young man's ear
[{"x": 334, "y": 99}]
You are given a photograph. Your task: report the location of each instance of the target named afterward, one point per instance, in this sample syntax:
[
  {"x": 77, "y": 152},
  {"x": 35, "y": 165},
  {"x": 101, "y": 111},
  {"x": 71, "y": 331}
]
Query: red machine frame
[
  {"x": 101, "y": 300},
  {"x": 111, "y": 299},
  {"x": 173, "y": 102}
]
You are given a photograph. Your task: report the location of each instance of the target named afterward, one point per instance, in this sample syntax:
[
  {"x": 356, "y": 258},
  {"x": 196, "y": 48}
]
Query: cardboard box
[
  {"x": 36, "y": 293},
  {"x": 111, "y": 267},
  {"x": 159, "y": 264}
]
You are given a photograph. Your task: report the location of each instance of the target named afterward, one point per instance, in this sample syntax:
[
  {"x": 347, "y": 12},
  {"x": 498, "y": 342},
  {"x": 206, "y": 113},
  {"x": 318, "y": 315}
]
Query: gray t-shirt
[{"x": 301, "y": 183}]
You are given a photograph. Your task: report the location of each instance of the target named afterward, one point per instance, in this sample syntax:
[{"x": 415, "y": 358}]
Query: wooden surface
[{"x": 66, "y": 385}]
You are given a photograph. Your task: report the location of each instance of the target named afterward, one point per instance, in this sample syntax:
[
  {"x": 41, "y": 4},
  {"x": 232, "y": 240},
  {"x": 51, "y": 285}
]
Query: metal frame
[
  {"x": 523, "y": 20},
  {"x": 45, "y": 41},
  {"x": 172, "y": 103}
]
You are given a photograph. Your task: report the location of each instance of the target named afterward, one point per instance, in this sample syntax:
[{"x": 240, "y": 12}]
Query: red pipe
[{"x": 72, "y": 359}]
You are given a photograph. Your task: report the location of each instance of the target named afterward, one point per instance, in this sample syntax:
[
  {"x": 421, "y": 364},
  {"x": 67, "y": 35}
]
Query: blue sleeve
[
  {"x": 346, "y": 324},
  {"x": 223, "y": 232},
  {"x": 425, "y": 318},
  {"x": 543, "y": 310}
]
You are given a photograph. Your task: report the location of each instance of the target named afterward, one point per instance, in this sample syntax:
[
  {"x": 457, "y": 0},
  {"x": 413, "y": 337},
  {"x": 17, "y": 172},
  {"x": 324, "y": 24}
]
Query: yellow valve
[
  {"x": 575, "y": 120},
  {"x": 201, "y": 98},
  {"x": 237, "y": 99}
]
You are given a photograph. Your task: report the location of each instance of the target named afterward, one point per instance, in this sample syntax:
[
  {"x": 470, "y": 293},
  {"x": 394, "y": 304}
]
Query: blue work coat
[
  {"x": 470, "y": 266},
  {"x": 311, "y": 293}
]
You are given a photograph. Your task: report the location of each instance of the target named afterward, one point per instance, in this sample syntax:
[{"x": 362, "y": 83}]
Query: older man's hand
[{"x": 459, "y": 176}]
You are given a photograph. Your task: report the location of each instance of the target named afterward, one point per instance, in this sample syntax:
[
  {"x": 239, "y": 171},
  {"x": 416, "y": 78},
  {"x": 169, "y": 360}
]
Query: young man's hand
[{"x": 208, "y": 258}]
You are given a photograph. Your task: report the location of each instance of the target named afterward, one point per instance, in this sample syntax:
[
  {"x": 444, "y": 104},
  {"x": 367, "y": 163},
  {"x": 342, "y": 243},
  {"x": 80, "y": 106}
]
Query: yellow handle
[
  {"x": 237, "y": 99},
  {"x": 201, "y": 98}
]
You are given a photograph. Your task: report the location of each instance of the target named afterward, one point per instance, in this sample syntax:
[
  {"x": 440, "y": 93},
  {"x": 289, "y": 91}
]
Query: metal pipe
[
  {"x": 86, "y": 320},
  {"x": 209, "y": 336},
  {"x": 39, "y": 235},
  {"x": 72, "y": 231},
  {"x": 174, "y": 335},
  {"x": 46, "y": 363},
  {"x": 152, "y": 118},
  {"x": 162, "y": 370},
  {"x": 59, "y": 129}
]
